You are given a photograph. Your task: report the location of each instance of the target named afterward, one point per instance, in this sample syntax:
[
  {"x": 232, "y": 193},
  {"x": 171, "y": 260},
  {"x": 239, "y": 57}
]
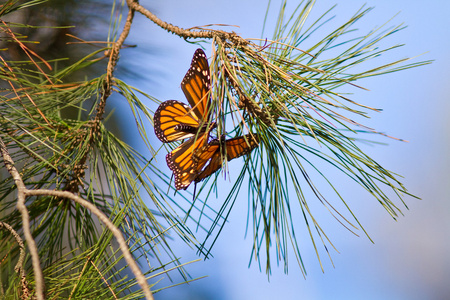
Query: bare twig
[
  {"x": 19, "y": 265},
  {"x": 21, "y": 189},
  {"x": 232, "y": 37},
  {"x": 219, "y": 36}
]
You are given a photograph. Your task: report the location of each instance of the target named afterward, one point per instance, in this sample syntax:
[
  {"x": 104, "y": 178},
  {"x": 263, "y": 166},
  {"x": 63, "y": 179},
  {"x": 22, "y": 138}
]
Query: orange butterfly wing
[
  {"x": 173, "y": 120},
  {"x": 182, "y": 163},
  {"x": 207, "y": 152},
  {"x": 234, "y": 148},
  {"x": 196, "y": 86}
]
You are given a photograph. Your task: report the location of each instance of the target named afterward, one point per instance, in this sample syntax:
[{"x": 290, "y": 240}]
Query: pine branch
[
  {"x": 285, "y": 95},
  {"x": 23, "y": 192},
  {"x": 106, "y": 89},
  {"x": 288, "y": 97},
  {"x": 231, "y": 37}
]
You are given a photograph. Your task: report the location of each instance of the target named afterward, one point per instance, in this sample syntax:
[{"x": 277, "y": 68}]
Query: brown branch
[
  {"x": 133, "y": 5},
  {"x": 232, "y": 37},
  {"x": 21, "y": 189},
  {"x": 18, "y": 268},
  {"x": 113, "y": 58},
  {"x": 105, "y": 93}
]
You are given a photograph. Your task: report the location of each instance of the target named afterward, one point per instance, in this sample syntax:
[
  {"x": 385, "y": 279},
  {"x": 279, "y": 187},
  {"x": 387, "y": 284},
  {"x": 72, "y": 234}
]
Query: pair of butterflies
[{"x": 174, "y": 120}]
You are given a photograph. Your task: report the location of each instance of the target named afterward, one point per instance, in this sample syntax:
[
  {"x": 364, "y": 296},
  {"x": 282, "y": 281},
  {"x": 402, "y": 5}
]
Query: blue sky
[{"x": 410, "y": 258}]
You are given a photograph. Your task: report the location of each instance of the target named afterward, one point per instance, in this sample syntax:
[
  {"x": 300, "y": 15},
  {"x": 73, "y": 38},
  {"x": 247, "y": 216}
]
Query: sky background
[{"x": 410, "y": 257}]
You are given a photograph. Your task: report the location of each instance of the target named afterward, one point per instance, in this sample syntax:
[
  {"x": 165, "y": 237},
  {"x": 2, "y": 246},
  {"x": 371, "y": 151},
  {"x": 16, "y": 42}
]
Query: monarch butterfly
[
  {"x": 175, "y": 120},
  {"x": 219, "y": 149}
]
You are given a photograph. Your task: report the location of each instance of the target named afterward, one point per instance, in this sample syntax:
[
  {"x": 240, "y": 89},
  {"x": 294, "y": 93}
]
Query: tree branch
[
  {"x": 105, "y": 93},
  {"x": 18, "y": 268},
  {"x": 232, "y": 37},
  {"x": 23, "y": 192},
  {"x": 102, "y": 217},
  {"x": 113, "y": 58},
  {"x": 21, "y": 189}
]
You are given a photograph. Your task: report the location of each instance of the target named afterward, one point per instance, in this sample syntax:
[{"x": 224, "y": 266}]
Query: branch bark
[
  {"x": 232, "y": 37},
  {"x": 18, "y": 268},
  {"x": 105, "y": 93},
  {"x": 9, "y": 164}
]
